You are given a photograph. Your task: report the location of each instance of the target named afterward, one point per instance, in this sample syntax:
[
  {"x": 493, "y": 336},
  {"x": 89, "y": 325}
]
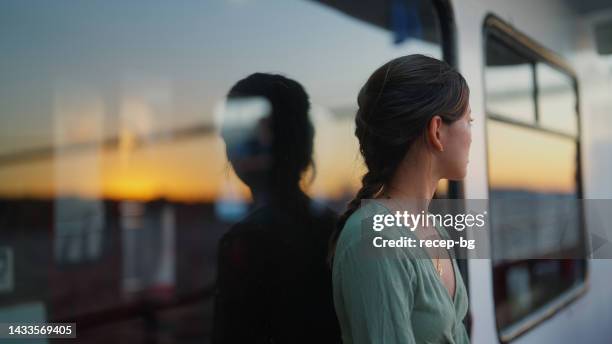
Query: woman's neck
[{"x": 415, "y": 183}]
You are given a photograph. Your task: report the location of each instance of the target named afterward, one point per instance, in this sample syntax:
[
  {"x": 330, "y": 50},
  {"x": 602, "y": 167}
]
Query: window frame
[{"x": 505, "y": 34}]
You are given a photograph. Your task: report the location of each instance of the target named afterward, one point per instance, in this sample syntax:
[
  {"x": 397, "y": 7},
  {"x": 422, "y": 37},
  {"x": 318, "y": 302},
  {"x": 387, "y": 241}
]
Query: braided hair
[{"x": 396, "y": 105}]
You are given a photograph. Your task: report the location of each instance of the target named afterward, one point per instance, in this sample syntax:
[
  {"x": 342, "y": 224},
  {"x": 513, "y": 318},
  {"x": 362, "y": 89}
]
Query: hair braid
[{"x": 371, "y": 185}]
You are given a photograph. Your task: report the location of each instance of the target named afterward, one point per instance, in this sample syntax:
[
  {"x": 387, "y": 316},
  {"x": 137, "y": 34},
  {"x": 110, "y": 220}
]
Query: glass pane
[
  {"x": 522, "y": 287},
  {"x": 508, "y": 83},
  {"x": 114, "y": 142},
  {"x": 532, "y": 185},
  {"x": 522, "y": 159},
  {"x": 556, "y": 100}
]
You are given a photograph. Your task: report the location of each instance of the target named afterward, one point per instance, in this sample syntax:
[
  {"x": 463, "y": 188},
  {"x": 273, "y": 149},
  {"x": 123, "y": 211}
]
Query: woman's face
[{"x": 456, "y": 142}]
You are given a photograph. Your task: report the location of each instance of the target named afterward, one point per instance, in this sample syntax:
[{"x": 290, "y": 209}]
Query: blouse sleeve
[{"x": 378, "y": 295}]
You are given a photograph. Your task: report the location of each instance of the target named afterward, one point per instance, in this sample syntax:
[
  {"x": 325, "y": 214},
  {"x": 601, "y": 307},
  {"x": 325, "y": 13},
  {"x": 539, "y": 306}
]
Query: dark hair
[
  {"x": 290, "y": 125},
  {"x": 396, "y": 105}
]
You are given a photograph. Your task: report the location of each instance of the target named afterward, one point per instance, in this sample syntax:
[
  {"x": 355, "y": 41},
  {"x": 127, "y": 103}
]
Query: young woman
[{"x": 413, "y": 127}]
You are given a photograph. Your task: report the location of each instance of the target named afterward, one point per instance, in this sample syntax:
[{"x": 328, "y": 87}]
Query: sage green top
[{"x": 392, "y": 295}]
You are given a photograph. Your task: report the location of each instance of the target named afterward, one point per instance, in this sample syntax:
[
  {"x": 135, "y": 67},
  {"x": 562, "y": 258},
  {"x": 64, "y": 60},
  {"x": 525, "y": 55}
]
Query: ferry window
[
  {"x": 533, "y": 169},
  {"x": 509, "y": 80},
  {"x": 116, "y": 186}
]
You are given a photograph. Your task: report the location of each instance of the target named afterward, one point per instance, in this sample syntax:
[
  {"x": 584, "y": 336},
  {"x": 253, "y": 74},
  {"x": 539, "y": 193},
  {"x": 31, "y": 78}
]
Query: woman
[{"x": 413, "y": 127}]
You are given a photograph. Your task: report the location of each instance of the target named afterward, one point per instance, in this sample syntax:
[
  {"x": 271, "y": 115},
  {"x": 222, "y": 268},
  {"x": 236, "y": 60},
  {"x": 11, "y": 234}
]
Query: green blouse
[{"x": 393, "y": 296}]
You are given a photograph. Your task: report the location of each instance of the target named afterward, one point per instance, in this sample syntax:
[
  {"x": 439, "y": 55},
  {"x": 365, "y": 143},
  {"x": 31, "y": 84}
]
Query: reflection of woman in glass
[
  {"x": 273, "y": 282},
  {"x": 413, "y": 126}
]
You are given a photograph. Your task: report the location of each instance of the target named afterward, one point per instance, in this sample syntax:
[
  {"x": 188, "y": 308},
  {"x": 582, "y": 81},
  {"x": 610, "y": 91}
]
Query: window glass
[
  {"x": 529, "y": 160},
  {"x": 116, "y": 184},
  {"x": 556, "y": 100},
  {"x": 533, "y": 189},
  {"x": 509, "y": 83}
]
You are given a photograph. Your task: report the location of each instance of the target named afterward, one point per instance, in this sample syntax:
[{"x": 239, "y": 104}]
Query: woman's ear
[{"x": 434, "y": 133}]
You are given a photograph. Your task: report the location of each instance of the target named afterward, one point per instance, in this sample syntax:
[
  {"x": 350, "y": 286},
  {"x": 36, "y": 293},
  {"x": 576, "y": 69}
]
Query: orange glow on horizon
[
  {"x": 526, "y": 159},
  {"x": 196, "y": 170}
]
